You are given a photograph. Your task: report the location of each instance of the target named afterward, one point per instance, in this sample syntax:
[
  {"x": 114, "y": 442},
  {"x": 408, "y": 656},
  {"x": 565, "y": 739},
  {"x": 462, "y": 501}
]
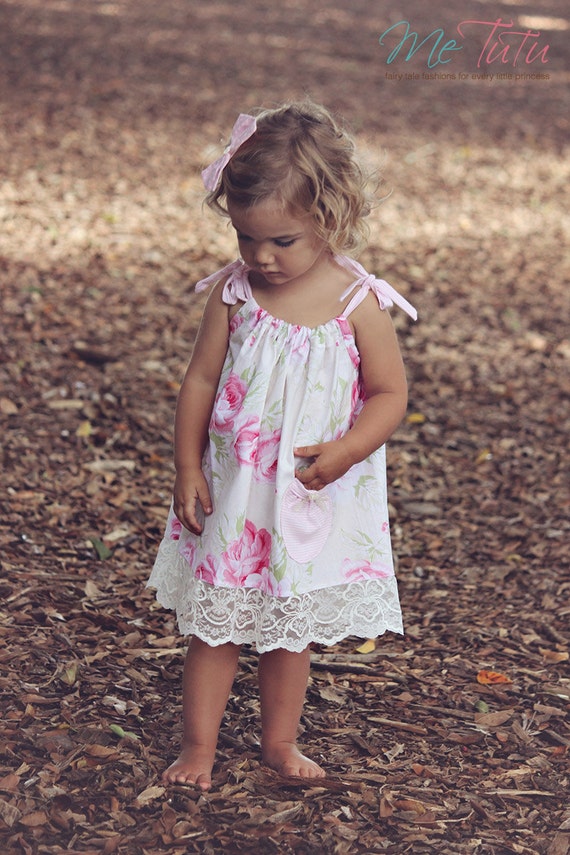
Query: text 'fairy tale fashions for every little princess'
[{"x": 278, "y": 565}]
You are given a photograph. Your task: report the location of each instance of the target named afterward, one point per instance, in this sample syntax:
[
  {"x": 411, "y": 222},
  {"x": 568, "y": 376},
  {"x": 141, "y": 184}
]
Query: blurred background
[{"x": 108, "y": 111}]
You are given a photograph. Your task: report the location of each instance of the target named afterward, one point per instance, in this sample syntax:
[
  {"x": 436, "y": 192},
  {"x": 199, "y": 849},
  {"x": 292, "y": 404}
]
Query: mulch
[{"x": 455, "y": 737}]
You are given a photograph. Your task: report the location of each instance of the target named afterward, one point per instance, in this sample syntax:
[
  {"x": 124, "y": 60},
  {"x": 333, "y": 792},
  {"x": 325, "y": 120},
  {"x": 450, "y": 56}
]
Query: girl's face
[{"x": 279, "y": 245}]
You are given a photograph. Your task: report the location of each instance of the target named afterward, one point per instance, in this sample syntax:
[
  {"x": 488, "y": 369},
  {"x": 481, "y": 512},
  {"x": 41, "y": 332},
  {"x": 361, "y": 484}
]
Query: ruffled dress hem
[{"x": 218, "y": 615}]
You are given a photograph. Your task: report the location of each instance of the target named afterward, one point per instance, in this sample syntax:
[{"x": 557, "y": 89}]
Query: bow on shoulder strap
[
  {"x": 218, "y": 275},
  {"x": 385, "y": 293},
  {"x": 384, "y": 290}
]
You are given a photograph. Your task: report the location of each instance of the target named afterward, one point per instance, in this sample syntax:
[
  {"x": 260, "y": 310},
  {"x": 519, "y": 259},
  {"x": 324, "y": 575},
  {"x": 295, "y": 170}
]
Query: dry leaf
[
  {"x": 493, "y": 719},
  {"x": 34, "y": 819},
  {"x": 110, "y": 465},
  {"x": 409, "y": 805},
  {"x": 554, "y": 656},
  {"x": 393, "y": 752},
  {"x": 560, "y": 844},
  {"x": 491, "y": 678},
  {"x": 368, "y": 646},
  {"x": 9, "y": 813},
  {"x": 330, "y": 693},
  {"x": 69, "y": 674},
  {"x": 427, "y": 818},
  {"x": 150, "y": 795},
  {"x": 483, "y": 456},
  {"x": 100, "y": 751},
  {"x": 10, "y": 782},
  {"x": 85, "y": 429},
  {"x": 91, "y": 590},
  {"x": 66, "y": 404},
  {"x": 117, "y": 534},
  {"x": 286, "y": 815},
  {"x": 8, "y": 407}
]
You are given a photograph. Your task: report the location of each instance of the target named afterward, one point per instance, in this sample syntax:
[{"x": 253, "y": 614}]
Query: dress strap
[
  {"x": 365, "y": 282},
  {"x": 237, "y": 285}
]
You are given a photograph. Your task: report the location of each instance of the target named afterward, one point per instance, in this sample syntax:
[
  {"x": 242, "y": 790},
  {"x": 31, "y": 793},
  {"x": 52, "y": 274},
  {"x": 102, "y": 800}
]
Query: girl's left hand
[{"x": 330, "y": 461}]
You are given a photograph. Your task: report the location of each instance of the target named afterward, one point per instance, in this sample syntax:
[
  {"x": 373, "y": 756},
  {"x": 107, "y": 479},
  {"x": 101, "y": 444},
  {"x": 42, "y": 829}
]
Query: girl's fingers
[
  {"x": 309, "y": 479},
  {"x": 204, "y": 500},
  {"x": 191, "y": 516},
  {"x": 307, "y": 451},
  {"x": 305, "y": 475},
  {"x": 306, "y": 472},
  {"x": 317, "y": 485},
  {"x": 191, "y": 511}
]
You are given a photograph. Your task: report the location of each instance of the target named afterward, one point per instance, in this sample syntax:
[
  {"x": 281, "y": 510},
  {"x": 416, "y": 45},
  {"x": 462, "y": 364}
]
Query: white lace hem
[{"x": 248, "y": 616}]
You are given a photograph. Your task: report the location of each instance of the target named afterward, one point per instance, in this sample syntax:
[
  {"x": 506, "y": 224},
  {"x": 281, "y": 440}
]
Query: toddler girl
[{"x": 278, "y": 533}]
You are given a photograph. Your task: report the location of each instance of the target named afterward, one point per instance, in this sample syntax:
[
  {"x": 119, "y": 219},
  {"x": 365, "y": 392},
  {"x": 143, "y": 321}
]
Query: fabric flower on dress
[
  {"x": 248, "y": 554},
  {"x": 236, "y": 322},
  {"x": 228, "y": 404},
  {"x": 257, "y": 449},
  {"x": 266, "y": 454},
  {"x": 175, "y": 528},
  {"x": 298, "y": 345},
  {"x": 188, "y": 551},
  {"x": 246, "y": 439},
  {"x": 358, "y": 571},
  {"x": 206, "y": 571},
  {"x": 356, "y": 402},
  {"x": 267, "y": 583},
  {"x": 349, "y": 342}
]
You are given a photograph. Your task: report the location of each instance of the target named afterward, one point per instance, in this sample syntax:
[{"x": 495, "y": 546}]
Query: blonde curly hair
[{"x": 302, "y": 156}]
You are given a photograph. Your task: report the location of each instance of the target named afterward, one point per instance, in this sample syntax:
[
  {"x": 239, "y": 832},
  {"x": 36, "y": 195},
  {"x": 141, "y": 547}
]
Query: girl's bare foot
[
  {"x": 285, "y": 758},
  {"x": 193, "y": 766}
]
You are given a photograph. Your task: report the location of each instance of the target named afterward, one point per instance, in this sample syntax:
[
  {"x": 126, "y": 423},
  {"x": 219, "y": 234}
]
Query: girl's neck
[{"x": 311, "y": 300}]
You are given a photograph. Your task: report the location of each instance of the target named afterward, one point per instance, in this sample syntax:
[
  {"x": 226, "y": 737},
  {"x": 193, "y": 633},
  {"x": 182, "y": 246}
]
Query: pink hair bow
[{"x": 243, "y": 129}]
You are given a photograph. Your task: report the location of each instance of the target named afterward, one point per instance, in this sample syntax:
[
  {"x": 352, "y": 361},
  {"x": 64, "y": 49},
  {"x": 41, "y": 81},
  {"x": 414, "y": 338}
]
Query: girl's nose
[{"x": 263, "y": 254}]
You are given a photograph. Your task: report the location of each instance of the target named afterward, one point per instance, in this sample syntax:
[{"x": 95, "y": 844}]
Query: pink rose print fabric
[
  {"x": 276, "y": 566},
  {"x": 248, "y": 555},
  {"x": 229, "y": 402},
  {"x": 356, "y": 571},
  {"x": 246, "y": 441}
]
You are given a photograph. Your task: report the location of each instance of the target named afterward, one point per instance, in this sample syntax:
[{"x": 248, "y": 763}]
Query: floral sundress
[{"x": 278, "y": 565}]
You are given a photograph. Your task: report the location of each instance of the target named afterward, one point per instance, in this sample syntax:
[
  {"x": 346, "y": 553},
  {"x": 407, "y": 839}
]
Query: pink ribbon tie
[
  {"x": 245, "y": 126},
  {"x": 385, "y": 293},
  {"x": 213, "y": 278}
]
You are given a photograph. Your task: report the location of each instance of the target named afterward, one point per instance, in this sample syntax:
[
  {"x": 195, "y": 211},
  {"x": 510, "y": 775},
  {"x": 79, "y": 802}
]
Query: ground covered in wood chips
[{"x": 109, "y": 108}]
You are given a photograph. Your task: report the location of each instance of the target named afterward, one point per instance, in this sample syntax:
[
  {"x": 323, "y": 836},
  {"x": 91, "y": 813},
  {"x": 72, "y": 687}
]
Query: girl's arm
[
  {"x": 196, "y": 398},
  {"x": 386, "y": 397}
]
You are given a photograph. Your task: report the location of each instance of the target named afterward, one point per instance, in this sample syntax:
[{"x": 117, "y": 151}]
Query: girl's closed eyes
[{"x": 280, "y": 242}]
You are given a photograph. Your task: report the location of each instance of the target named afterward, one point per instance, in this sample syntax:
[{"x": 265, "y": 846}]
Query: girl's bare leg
[
  {"x": 283, "y": 678},
  {"x": 208, "y": 677}
]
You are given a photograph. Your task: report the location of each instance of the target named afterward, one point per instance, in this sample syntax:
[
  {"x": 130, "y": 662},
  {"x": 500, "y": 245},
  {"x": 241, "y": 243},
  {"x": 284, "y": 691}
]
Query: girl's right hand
[{"x": 191, "y": 499}]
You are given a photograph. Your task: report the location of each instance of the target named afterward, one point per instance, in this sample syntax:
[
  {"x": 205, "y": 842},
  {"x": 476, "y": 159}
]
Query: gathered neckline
[{"x": 336, "y": 320}]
